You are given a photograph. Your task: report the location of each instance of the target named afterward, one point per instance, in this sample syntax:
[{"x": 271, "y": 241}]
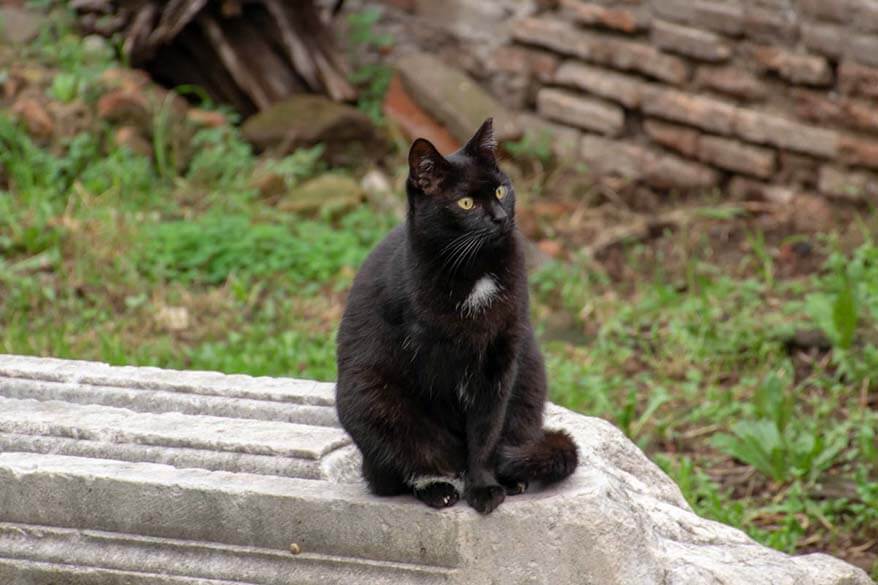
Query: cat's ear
[
  {"x": 483, "y": 145},
  {"x": 427, "y": 167}
]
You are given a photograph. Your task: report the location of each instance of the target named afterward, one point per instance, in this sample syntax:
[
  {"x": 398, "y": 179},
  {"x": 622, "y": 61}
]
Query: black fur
[{"x": 427, "y": 385}]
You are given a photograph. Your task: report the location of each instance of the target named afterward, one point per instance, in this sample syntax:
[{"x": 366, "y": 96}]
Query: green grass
[
  {"x": 210, "y": 249},
  {"x": 98, "y": 245},
  {"x": 698, "y": 373}
]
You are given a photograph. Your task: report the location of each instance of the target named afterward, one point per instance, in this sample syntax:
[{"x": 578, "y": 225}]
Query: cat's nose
[{"x": 499, "y": 216}]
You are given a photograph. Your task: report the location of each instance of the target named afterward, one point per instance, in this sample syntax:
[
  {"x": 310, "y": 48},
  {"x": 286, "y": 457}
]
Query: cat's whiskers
[
  {"x": 461, "y": 240},
  {"x": 462, "y": 255},
  {"x": 455, "y": 243},
  {"x": 469, "y": 251},
  {"x": 455, "y": 253},
  {"x": 459, "y": 243},
  {"x": 475, "y": 251}
]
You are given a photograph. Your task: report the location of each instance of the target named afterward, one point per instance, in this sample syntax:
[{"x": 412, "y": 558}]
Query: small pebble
[
  {"x": 295, "y": 549},
  {"x": 96, "y": 48}
]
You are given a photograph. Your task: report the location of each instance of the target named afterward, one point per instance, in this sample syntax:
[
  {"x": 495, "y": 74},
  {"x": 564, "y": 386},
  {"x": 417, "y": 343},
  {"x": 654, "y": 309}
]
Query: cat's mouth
[{"x": 503, "y": 230}]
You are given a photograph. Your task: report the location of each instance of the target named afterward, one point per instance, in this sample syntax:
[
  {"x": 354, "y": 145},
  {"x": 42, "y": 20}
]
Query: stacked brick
[{"x": 744, "y": 95}]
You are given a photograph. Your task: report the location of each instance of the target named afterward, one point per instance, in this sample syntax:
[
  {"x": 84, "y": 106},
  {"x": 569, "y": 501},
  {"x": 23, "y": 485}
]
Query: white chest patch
[{"x": 483, "y": 294}]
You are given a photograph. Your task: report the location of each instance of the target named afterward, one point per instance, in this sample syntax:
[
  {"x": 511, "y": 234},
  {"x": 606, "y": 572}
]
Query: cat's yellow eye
[
  {"x": 501, "y": 192},
  {"x": 466, "y": 203}
]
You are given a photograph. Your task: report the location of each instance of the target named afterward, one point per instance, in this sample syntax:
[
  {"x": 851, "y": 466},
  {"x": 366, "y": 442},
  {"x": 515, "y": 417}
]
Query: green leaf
[
  {"x": 65, "y": 87},
  {"x": 844, "y": 315},
  {"x": 756, "y": 443},
  {"x": 772, "y": 402}
]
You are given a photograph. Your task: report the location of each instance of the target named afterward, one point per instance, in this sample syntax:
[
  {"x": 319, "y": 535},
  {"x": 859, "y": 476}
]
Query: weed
[
  {"x": 757, "y": 244},
  {"x": 779, "y": 444},
  {"x": 65, "y": 87},
  {"x": 799, "y": 452},
  {"x": 372, "y": 79},
  {"x": 123, "y": 177},
  {"x": 211, "y": 249},
  {"x": 163, "y": 146},
  {"x": 298, "y": 166},
  {"x": 847, "y": 299},
  {"x": 59, "y": 46},
  {"x": 532, "y": 146},
  {"x": 33, "y": 173},
  {"x": 567, "y": 286}
]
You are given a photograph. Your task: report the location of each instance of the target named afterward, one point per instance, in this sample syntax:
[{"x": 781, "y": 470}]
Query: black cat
[{"x": 440, "y": 380}]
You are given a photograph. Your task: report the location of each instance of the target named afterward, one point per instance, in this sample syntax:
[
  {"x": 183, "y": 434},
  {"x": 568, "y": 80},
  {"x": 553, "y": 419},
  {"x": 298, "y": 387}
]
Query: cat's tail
[{"x": 549, "y": 459}]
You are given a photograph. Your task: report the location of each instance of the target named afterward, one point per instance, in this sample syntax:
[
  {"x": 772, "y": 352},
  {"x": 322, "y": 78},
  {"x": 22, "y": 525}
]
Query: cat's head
[{"x": 463, "y": 193}]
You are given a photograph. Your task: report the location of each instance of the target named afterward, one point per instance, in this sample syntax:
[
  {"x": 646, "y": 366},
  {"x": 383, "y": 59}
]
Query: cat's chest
[
  {"x": 465, "y": 327},
  {"x": 484, "y": 293}
]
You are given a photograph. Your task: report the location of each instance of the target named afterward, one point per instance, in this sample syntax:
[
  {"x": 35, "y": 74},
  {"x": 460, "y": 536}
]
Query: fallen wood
[{"x": 245, "y": 53}]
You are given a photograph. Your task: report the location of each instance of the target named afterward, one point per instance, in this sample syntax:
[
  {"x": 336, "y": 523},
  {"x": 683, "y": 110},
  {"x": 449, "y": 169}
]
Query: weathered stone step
[
  {"x": 178, "y": 457},
  {"x": 185, "y": 440},
  {"x": 225, "y": 509},
  {"x": 104, "y": 556},
  {"x": 156, "y": 401},
  {"x": 198, "y": 383},
  {"x": 120, "y": 425}
]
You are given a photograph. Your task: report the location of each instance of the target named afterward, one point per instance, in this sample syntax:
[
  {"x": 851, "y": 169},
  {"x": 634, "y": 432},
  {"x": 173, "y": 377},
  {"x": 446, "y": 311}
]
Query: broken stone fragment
[
  {"x": 124, "y": 105},
  {"x": 413, "y": 121},
  {"x": 193, "y": 477},
  {"x": 453, "y": 98},
  {"x": 206, "y": 118},
  {"x": 173, "y": 319},
  {"x": 130, "y": 137},
  {"x": 31, "y": 112},
  {"x": 19, "y": 26},
  {"x": 330, "y": 193},
  {"x": 348, "y": 135}
]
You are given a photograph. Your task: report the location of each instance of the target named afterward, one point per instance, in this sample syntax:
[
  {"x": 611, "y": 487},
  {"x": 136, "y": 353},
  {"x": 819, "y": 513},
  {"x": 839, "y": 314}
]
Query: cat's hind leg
[{"x": 405, "y": 450}]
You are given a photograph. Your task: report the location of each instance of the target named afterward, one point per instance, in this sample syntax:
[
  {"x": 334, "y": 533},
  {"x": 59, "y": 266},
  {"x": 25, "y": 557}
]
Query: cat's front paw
[
  {"x": 486, "y": 498},
  {"x": 438, "y": 494}
]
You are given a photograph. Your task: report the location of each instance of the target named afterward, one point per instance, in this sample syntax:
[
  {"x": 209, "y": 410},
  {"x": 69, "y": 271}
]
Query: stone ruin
[
  {"x": 762, "y": 99},
  {"x": 143, "y": 476}
]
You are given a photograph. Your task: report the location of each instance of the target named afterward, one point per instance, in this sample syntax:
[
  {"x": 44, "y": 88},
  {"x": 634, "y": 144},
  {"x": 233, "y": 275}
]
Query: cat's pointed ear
[
  {"x": 427, "y": 167},
  {"x": 483, "y": 144}
]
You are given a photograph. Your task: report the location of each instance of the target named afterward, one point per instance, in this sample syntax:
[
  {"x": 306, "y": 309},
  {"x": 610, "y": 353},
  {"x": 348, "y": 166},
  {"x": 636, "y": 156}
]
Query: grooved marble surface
[{"x": 141, "y": 476}]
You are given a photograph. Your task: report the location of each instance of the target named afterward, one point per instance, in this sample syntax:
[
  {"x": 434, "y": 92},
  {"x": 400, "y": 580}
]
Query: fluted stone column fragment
[{"x": 143, "y": 476}]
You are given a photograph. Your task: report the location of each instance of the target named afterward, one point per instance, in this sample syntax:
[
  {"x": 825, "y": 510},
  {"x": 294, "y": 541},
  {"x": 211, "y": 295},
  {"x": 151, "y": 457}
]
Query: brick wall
[
  {"x": 746, "y": 95},
  {"x": 752, "y": 96}
]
